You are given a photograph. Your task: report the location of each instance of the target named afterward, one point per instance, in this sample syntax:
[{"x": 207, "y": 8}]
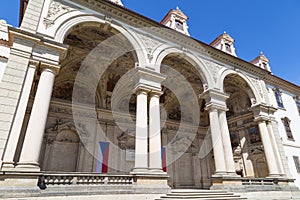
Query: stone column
[
  {"x": 275, "y": 147},
  {"x": 216, "y": 136},
  {"x": 268, "y": 149},
  {"x": 155, "y": 162},
  {"x": 29, "y": 158},
  {"x": 226, "y": 143},
  {"x": 141, "y": 135},
  {"x": 11, "y": 146}
]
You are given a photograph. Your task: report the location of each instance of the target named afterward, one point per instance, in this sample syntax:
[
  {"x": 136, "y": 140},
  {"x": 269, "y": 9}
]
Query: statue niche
[{"x": 62, "y": 148}]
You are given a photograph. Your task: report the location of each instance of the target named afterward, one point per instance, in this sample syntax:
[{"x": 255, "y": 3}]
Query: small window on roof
[
  {"x": 178, "y": 24},
  {"x": 228, "y": 48}
]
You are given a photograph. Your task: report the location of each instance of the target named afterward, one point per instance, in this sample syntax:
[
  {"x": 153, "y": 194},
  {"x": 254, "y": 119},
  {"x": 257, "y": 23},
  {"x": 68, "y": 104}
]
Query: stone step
[
  {"x": 202, "y": 193},
  {"x": 195, "y": 191},
  {"x": 198, "y": 196},
  {"x": 211, "y": 198},
  {"x": 192, "y": 194}
]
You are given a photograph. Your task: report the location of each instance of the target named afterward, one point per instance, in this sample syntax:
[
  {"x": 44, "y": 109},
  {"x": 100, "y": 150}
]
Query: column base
[
  {"x": 274, "y": 176},
  {"x": 30, "y": 167},
  {"x": 157, "y": 171},
  {"x": 139, "y": 171},
  {"x": 232, "y": 174},
  {"x": 221, "y": 173},
  {"x": 8, "y": 166}
]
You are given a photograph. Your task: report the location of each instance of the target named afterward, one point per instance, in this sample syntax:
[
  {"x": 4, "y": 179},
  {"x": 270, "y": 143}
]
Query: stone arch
[
  {"x": 69, "y": 23},
  {"x": 196, "y": 62},
  {"x": 253, "y": 93},
  {"x": 186, "y": 76}
]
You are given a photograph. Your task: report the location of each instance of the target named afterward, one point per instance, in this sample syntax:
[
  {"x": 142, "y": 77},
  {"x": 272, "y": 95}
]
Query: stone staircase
[{"x": 201, "y": 195}]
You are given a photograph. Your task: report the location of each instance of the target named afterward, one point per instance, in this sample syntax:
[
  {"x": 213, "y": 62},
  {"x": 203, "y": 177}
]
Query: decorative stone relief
[
  {"x": 213, "y": 68},
  {"x": 257, "y": 85},
  {"x": 150, "y": 44},
  {"x": 126, "y": 140},
  {"x": 56, "y": 9}
]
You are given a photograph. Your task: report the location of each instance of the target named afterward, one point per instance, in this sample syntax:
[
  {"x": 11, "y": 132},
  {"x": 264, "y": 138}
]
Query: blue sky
[{"x": 271, "y": 26}]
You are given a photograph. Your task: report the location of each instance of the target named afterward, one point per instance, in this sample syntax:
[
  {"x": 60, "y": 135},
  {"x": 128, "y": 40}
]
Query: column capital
[
  {"x": 261, "y": 119},
  {"x": 49, "y": 67},
  {"x": 34, "y": 63},
  {"x": 156, "y": 93},
  {"x": 148, "y": 79},
  {"x": 141, "y": 89},
  {"x": 215, "y": 100},
  {"x": 263, "y": 112}
]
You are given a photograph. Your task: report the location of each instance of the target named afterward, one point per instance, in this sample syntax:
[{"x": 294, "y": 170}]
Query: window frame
[
  {"x": 278, "y": 98},
  {"x": 287, "y": 127},
  {"x": 297, "y": 163},
  {"x": 297, "y": 102}
]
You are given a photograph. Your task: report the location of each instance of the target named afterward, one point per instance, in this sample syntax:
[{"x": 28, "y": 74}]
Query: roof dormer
[
  {"x": 262, "y": 61},
  {"x": 177, "y": 20},
  {"x": 224, "y": 43}
]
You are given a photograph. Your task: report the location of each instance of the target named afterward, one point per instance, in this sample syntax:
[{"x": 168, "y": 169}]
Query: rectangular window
[
  {"x": 297, "y": 163},
  {"x": 297, "y": 100},
  {"x": 278, "y": 98},
  {"x": 286, "y": 124}
]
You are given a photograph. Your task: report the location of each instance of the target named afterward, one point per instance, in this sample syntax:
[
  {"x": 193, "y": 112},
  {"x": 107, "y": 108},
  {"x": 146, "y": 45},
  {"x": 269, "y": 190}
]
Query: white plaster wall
[
  {"x": 291, "y": 147},
  {"x": 290, "y": 152}
]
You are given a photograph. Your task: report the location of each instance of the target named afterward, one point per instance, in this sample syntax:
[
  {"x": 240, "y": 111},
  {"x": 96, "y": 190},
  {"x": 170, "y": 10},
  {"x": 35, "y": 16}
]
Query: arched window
[
  {"x": 228, "y": 48},
  {"x": 286, "y": 123},
  {"x": 264, "y": 66},
  {"x": 179, "y": 25},
  {"x": 278, "y": 98}
]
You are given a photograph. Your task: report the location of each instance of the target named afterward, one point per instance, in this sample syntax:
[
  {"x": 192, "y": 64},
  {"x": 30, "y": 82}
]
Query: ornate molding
[
  {"x": 150, "y": 43},
  {"x": 258, "y": 86},
  {"x": 213, "y": 68},
  {"x": 56, "y": 9}
]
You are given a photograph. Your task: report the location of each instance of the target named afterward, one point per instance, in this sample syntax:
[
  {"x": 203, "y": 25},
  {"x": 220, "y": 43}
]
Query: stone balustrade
[
  {"x": 85, "y": 179},
  {"x": 259, "y": 181}
]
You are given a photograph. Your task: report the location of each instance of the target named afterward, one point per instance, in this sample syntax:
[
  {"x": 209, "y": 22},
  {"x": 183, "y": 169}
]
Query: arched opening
[
  {"x": 245, "y": 137},
  {"x": 186, "y": 123},
  {"x": 76, "y": 71}
]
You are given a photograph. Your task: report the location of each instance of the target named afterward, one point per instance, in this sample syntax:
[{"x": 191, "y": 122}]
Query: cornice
[
  {"x": 139, "y": 21},
  {"x": 282, "y": 84}
]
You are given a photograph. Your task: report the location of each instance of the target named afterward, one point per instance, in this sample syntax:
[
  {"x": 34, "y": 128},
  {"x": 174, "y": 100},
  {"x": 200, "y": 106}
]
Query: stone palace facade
[{"x": 96, "y": 98}]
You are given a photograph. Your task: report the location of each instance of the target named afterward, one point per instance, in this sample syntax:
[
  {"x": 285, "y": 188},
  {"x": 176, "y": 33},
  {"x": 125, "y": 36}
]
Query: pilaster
[
  {"x": 12, "y": 82},
  {"x": 8, "y": 160}
]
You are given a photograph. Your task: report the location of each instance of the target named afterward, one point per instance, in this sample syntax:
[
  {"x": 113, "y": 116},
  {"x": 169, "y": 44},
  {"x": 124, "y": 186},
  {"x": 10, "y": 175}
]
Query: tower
[
  {"x": 224, "y": 43},
  {"x": 177, "y": 20},
  {"x": 262, "y": 61}
]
